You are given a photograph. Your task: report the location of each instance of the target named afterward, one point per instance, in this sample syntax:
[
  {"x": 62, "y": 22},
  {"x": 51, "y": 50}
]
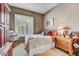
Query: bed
[{"x": 38, "y": 44}]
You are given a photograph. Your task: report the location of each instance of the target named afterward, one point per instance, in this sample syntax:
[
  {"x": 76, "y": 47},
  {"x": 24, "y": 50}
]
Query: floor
[
  {"x": 20, "y": 51},
  {"x": 54, "y": 52}
]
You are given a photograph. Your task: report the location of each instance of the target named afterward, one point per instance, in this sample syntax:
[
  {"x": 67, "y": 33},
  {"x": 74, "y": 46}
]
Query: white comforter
[{"x": 39, "y": 44}]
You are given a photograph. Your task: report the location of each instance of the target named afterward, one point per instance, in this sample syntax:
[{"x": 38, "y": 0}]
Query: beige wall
[
  {"x": 64, "y": 14},
  {"x": 38, "y": 18}
]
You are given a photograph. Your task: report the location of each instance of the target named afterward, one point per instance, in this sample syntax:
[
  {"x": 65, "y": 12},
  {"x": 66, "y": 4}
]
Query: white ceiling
[{"x": 36, "y": 7}]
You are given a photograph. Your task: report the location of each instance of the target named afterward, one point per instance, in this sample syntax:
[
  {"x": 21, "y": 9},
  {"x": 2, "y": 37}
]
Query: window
[{"x": 23, "y": 24}]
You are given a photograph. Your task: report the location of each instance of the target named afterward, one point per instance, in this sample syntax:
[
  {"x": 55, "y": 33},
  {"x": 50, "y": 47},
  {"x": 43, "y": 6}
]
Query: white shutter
[{"x": 24, "y": 24}]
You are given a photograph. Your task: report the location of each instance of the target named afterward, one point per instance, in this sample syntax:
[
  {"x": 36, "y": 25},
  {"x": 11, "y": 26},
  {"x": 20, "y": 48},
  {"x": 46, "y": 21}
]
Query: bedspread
[{"x": 39, "y": 45}]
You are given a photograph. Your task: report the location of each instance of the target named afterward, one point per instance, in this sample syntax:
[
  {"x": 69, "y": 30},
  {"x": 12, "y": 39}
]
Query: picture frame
[{"x": 48, "y": 23}]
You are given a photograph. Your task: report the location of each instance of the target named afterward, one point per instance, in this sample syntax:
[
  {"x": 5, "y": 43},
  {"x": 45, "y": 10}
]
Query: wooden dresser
[{"x": 65, "y": 44}]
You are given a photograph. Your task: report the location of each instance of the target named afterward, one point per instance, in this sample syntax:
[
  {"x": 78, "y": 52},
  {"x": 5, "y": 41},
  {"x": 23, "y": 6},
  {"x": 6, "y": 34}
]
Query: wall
[
  {"x": 38, "y": 18},
  {"x": 64, "y": 14}
]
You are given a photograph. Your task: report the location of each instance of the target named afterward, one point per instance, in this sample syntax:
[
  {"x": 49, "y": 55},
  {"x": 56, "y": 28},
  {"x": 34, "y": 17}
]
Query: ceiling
[{"x": 36, "y": 7}]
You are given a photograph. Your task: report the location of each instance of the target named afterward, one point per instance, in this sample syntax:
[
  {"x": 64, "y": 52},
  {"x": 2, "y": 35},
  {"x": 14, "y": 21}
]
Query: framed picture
[
  {"x": 48, "y": 23},
  {"x": 53, "y": 22}
]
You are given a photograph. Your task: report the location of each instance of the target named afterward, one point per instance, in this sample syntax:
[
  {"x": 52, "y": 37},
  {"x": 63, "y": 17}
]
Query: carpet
[
  {"x": 20, "y": 51},
  {"x": 53, "y": 52}
]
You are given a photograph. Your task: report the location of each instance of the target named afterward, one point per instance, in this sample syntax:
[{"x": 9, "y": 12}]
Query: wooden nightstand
[
  {"x": 54, "y": 38},
  {"x": 76, "y": 41}
]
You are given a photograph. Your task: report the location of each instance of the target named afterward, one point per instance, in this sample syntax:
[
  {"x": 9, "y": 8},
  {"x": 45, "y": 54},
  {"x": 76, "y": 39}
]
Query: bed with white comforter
[{"x": 38, "y": 44}]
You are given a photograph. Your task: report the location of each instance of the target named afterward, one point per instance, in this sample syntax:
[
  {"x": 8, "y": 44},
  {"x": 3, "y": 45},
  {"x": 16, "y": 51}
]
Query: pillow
[
  {"x": 42, "y": 33},
  {"x": 32, "y": 36}
]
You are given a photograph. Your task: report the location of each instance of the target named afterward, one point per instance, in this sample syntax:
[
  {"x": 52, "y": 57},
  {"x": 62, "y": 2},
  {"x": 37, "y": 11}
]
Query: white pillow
[
  {"x": 76, "y": 45},
  {"x": 36, "y": 36}
]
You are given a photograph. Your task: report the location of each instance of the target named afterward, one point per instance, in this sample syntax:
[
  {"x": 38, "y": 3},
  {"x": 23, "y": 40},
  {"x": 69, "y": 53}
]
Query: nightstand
[
  {"x": 76, "y": 41},
  {"x": 76, "y": 49},
  {"x": 54, "y": 38}
]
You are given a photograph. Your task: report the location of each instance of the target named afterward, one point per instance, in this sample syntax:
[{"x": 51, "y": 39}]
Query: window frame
[{"x": 25, "y": 25}]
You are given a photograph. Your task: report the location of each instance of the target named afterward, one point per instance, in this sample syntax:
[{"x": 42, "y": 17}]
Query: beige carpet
[
  {"x": 20, "y": 51},
  {"x": 54, "y": 52}
]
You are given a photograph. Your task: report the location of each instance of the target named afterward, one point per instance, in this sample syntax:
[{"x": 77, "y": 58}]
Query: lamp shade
[{"x": 12, "y": 32}]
